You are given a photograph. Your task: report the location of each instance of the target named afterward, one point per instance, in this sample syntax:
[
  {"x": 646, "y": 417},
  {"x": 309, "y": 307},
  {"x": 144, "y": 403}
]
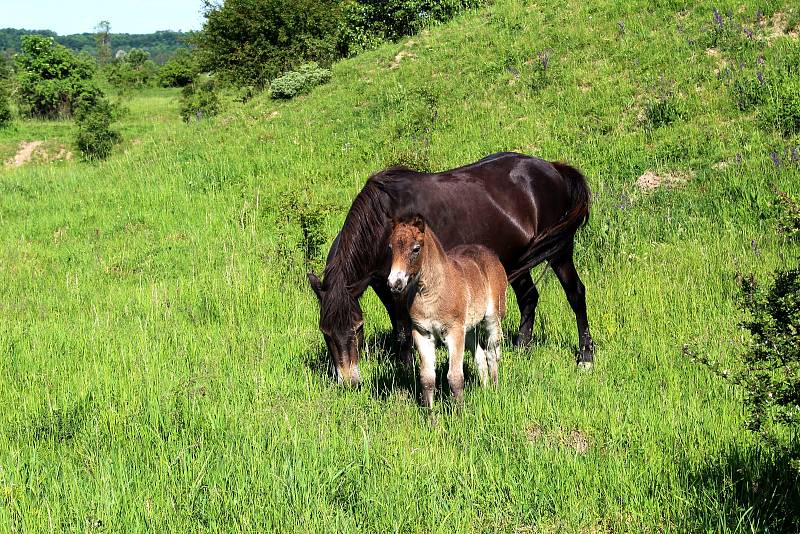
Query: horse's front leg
[
  {"x": 455, "y": 348},
  {"x": 401, "y": 321}
]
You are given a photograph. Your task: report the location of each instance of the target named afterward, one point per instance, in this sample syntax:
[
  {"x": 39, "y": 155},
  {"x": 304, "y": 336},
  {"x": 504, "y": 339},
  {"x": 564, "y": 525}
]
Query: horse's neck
[{"x": 434, "y": 264}]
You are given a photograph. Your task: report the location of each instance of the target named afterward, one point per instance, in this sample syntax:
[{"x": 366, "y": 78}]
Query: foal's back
[{"x": 485, "y": 278}]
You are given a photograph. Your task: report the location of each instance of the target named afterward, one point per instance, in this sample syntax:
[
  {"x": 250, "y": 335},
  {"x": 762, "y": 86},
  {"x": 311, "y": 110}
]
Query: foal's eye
[
  {"x": 415, "y": 248},
  {"x": 390, "y": 246}
]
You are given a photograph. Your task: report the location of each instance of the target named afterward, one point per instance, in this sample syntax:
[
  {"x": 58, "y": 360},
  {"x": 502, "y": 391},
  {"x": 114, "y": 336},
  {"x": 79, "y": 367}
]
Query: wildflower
[
  {"x": 544, "y": 57},
  {"x": 775, "y": 159},
  {"x": 760, "y": 76},
  {"x": 718, "y": 18},
  {"x": 748, "y": 32},
  {"x": 621, "y": 26},
  {"x": 795, "y": 156},
  {"x": 761, "y": 60}
]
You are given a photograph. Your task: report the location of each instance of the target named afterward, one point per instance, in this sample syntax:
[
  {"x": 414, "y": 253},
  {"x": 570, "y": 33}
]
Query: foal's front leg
[
  {"x": 455, "y": 374},
  {"x": 426, "y": 346}
]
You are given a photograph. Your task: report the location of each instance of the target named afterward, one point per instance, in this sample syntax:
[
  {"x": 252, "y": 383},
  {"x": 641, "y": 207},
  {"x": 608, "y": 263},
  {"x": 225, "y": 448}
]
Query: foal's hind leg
[
  {"x": 480, "y": 356},
  {"x": 494, "y": 335}
]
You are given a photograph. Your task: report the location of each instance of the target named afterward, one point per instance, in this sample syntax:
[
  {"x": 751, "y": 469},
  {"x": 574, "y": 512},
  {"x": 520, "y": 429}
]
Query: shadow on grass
[{"x": 748, "y": 489}]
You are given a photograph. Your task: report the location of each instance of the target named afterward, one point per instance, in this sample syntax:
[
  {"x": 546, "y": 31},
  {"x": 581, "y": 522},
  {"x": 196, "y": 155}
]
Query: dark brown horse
[{"x": 525, "y": 209}]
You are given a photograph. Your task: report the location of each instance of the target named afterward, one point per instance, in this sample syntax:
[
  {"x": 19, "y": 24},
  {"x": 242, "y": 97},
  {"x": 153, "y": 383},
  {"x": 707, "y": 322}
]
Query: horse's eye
[
  {"x": 415, "y": 248},
  {"x": 390, "y": 246}
]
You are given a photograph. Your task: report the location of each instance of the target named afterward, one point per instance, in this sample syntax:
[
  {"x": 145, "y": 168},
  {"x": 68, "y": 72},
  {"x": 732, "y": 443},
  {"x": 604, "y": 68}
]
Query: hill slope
[{"x": 160, "y": 363}]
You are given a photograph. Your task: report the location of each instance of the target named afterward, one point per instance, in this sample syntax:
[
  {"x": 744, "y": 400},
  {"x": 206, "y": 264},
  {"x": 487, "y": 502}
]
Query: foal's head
[{"x": 406, "y": 244}]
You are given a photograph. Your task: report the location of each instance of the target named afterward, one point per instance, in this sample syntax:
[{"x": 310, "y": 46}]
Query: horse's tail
[{"x": 558, "y": 237}]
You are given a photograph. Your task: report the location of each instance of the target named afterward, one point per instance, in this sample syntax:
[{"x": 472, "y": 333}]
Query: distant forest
[{"x": 161, "y": 45}]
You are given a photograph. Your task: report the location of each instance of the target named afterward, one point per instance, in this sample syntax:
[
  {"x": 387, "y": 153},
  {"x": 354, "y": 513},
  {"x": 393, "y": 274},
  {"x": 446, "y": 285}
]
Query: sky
[{"x": 78, "y": 16}]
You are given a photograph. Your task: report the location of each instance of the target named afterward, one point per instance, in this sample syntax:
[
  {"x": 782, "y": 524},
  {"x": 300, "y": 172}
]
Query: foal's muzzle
[{"x": 398, "y": 280}]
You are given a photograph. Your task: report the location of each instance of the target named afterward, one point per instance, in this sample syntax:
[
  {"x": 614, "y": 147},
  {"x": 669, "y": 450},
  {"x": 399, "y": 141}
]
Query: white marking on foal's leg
[
  {"x": 455, "y": 374},
  {"x": 427, "y": 366},
  {"x": 479, "y": 355},
  {"x": 495, "y": 339}
]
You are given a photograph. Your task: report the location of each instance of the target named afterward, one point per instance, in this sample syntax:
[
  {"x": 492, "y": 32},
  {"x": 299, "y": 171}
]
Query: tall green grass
[{"x": 160, "y": 363}]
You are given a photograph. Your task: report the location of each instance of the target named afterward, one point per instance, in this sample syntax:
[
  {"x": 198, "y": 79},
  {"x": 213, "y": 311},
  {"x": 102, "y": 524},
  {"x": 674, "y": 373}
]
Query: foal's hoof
[{"x": 585, "y": 366}]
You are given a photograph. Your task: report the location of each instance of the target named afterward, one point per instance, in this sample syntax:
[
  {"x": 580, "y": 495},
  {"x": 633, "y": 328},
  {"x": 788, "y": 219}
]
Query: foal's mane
[{"x": 360, "y": 242}]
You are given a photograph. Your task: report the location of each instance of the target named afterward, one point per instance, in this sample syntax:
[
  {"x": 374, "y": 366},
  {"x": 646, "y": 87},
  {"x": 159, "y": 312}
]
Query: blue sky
[{"x": 78, "y": 16}]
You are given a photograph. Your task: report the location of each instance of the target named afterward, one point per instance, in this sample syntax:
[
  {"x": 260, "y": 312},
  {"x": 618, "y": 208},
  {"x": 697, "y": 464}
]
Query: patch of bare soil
[
  {"x": 650, "y": 181},
  {"x": 24, "y": 153},
  {"x": 778, "y": 26},
  {"x": 38, "y": 152},
  {"x": 559, "y": 437}
]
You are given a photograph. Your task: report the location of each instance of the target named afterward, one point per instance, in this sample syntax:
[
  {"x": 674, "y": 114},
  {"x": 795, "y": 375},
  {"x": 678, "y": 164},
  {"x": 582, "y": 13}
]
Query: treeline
[{"x": 160, "y": 45}]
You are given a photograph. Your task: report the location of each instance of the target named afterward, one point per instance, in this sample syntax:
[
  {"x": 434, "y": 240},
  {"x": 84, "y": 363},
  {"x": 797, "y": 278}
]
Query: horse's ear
[
  {"x": 316, "y": 284},
  {"x": 419, "y": 223}
]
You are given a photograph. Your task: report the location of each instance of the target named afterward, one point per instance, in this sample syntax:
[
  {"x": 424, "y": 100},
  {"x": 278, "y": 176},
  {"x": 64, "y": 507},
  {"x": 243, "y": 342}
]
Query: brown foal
[{"x": 449, "y": 294}]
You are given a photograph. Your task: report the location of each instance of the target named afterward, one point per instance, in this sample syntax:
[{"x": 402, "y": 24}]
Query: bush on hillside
[
  {"x": 298, "y": 82},
  {"x": 5, "y": 106},
  {"x": 365, "y": 23},
  {"x": 199, "y": 100},
  {"x": 179, "y": 71},
  {"x": 768, "y": 371},
  {"x": 249, "y": 42},
  {"x": 51, "y": 78},
  {"x": 94, "y": 137}
]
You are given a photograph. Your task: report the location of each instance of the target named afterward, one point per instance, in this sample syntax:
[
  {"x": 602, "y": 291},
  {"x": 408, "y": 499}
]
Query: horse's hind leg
[
  {"x": 494, "y": 339},
  {"x": 576, "y": 295},
  {"x": 480, "y": 356},
  {"x": 527, "y": 298}
]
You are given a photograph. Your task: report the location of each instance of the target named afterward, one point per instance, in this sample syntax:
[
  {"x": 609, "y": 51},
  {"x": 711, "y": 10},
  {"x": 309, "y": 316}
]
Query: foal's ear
[
  {"x": 419, "y": 223},
  {"x": 316, "y": 284}
]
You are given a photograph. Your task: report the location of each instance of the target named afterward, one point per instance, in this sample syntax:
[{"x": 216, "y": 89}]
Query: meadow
[{"x": 161, "y": 368}]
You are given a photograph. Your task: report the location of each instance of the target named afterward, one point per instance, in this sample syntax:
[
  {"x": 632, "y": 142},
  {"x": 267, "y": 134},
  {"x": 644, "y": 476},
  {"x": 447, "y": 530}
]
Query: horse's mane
[{"x": 362, "y": 234}]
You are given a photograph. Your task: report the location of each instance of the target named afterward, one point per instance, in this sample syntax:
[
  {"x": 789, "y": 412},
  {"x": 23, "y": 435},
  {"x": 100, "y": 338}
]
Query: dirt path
[{"x": 24, "y": 153}]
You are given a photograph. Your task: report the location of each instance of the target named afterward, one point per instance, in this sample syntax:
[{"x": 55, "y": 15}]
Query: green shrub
[
  {"x": 298, "y": 82},
  {"x": 661, "y": 111},
  {"x": 788, "y": 216},
  {"x": 51, "y": 78},
  {"x": 198, "y": 101},
  {"x": 94, "y": 137},
  {"x": 782, "y": 107},
  {"x": 366, "y": 23},
  {"x": 749, "y": 90},
  {"x": 179, "y": 71},
  {"x": 768, "y": 372},
  {"x": 5, "y": 108}
]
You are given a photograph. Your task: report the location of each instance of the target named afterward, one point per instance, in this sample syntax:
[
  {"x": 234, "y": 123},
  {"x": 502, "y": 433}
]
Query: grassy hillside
[{"x": 160, "y": 363}]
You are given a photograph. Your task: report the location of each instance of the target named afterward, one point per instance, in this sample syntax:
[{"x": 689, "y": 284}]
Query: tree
[
  {"x": 179, "y": 71},
  {"x": 51, "y": 78},
  {"x": 5, "y": 108},
  {"x": 250, "y": 42},
  {"x": 102, "y": 39}
]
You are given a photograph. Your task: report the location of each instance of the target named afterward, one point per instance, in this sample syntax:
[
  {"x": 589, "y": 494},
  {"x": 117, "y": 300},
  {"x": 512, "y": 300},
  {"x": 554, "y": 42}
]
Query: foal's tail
[{"x": 558, "y": 237}]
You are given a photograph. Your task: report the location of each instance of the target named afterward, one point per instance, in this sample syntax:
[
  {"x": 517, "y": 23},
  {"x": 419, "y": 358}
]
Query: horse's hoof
[{"x": 585, "y": 366}]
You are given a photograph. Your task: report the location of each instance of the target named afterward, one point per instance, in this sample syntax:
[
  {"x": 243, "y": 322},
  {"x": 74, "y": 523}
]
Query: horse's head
[
  {"x": 341, "y": 323},
  {"x": 406, "y": 243}
]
